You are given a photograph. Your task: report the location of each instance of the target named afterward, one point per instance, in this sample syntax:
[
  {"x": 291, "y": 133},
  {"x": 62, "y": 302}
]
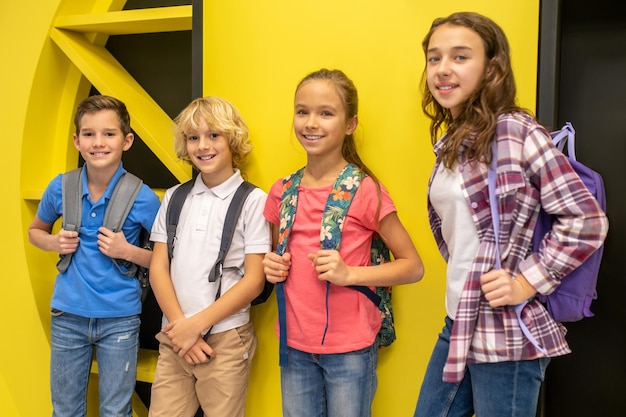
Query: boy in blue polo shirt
[{"x": 94, "y": 306}]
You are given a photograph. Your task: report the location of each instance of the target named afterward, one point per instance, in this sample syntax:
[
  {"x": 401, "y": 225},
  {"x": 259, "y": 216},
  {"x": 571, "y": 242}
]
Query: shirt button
[
  {"x": 474, "y": 205},
  {"x": 93, "y": 214}
]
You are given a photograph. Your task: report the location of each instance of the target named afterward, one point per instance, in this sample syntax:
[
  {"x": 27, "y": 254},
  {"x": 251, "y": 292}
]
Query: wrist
[{"x": 524, "y": 290}]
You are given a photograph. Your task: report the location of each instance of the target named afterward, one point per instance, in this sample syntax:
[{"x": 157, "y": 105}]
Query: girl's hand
[
  {"x": 331, "y": 267},
  {"x": 276, "y": 267},
  {"x": 501, "y": 289},
  {"x": 112, "y": 244},
  {"x": 199, "y": 353},
  {"x": 183, "y": 334}
]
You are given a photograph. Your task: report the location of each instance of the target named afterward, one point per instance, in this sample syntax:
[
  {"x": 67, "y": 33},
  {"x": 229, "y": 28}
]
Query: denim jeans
[
  {"x": 502, "y": 389},
  {"x": 73, "y": 338},
  {"x": 329, "y": 385}
]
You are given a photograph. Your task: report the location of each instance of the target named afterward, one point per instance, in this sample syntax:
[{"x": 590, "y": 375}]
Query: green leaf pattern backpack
[{"x": 337, "y": 206}]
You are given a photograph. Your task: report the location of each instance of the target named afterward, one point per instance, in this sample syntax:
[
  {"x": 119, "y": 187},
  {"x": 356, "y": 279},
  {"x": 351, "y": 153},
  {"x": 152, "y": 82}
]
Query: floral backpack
[{"x": 337, "y": 206}]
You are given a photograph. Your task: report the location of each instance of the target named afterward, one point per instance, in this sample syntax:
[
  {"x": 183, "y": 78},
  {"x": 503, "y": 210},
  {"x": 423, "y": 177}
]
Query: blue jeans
[
  {"x": 73, "y": 338},
  {"x": 502, "y": 389},
  {"x": 329, "y": 385}
]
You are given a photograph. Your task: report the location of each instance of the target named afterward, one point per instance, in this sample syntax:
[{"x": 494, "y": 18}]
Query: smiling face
[
  {"x": 100, "y": 140},
  {"x": 455, "y": 65},
  {"x": 320, "y": 122},
  {"x": 209, "y": 152}
]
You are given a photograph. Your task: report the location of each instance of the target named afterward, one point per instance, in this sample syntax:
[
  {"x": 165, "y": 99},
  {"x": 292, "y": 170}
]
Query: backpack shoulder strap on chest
[
  {"x": 230, "y": 223},
  {"x": 72, "y": 190},
  {"x": 121, "y": 202},
  {"x": 72, "y": 206},
  {"x": 122, "y": 199},
  {"x": 173, "y": 213}
]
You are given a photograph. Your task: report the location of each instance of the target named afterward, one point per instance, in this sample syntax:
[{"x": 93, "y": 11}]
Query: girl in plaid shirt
[{"x": 482, "y": 363}]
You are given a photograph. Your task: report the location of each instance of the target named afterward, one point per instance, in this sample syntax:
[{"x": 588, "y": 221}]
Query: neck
[
  {"x": 98, "y": 180},
  {"x": 322, "y": 172}
]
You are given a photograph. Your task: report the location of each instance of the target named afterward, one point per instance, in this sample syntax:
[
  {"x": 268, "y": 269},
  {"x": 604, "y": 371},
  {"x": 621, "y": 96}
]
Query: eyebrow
[{"x": 454, "y": 48}]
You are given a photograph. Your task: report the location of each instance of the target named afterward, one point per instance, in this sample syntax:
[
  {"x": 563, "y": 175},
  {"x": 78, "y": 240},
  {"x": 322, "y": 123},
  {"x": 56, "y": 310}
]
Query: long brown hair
[{"x": 494, "y": 96}]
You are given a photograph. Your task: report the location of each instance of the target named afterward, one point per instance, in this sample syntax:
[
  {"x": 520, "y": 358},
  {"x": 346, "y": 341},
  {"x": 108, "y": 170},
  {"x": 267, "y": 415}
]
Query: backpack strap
[
  {"x": 72, "y": 192},
  {"x": 230, "y": 223},
  {"x": 173, "y": 214},
  {"x": 335, "y": 212},
  {"x": 495, "y": 221},
  {"x": 122, "y": 199},
  {"x": 337, "y": 206},
  {"x": 288, "y": 206}
]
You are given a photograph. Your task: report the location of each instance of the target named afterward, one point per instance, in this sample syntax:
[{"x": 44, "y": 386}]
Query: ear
[
  {"x": 352, "y": 124},
  {"x": 128, "y": 141},
  {"x": 76, "y": 141}
]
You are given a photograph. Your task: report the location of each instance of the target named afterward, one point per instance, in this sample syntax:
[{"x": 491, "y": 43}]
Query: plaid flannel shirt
[{"x": 531, "y": 172}]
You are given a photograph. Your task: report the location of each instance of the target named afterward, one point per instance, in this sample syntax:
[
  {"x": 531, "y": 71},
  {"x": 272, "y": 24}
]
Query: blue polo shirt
[{"x": 92, "y": 286}]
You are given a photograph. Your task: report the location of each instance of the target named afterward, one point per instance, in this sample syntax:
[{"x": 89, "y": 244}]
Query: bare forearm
[
  {"x": 139, "y": 256},
  {"x": 400, "y": 271}
]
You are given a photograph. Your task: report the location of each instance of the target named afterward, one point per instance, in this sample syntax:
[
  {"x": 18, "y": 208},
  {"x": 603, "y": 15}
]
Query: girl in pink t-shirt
[{"x": 331, "y": 330}]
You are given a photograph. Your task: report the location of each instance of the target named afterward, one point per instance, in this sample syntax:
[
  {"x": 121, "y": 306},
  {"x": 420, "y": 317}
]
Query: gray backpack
[{"x": 122, "y": 200}]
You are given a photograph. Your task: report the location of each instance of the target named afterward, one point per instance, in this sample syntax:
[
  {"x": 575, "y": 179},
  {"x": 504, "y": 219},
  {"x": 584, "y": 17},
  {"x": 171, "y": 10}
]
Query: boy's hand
[
  {"x": 66, "y": 242},
  {"x": 183, "y": 334},
  {"x": 276, "y": 267},
  {"x": 113, "y": 244},
  {"x": 200, "y": 352},
  {"x": 330, "y": 267}
]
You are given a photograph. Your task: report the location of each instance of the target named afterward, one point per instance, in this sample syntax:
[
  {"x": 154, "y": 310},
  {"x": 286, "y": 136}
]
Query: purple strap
[
  {"x": 567, "y": 133},
  {"x": 495, "y": 220}
]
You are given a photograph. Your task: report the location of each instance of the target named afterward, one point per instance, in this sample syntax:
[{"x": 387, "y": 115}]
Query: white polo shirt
[{"x": 198, "y": 238}]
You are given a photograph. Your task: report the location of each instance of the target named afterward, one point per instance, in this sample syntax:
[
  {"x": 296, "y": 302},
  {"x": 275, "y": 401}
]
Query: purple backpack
[{"x": 571, "y": 300}]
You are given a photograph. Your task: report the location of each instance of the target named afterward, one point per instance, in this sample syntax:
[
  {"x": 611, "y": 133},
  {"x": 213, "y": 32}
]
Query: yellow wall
[{"x": 255, "y": 53}]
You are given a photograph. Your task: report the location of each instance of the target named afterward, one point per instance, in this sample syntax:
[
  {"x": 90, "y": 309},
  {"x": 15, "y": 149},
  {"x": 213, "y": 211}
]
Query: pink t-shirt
[{"x": 353, "y": 320}]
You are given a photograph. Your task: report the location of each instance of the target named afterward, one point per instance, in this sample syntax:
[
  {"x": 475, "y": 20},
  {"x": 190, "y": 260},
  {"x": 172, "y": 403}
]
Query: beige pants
[{"x": 219, "y": 386}]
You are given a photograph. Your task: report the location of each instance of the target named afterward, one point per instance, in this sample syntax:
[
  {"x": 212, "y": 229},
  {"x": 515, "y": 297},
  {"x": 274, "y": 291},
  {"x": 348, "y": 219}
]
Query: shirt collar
[
  {"x": 109, "y": 191},
  {"x": 222, "y": 190}
]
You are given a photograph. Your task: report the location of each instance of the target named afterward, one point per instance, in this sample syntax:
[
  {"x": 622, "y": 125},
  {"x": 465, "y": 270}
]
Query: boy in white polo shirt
[{"x": 195, "y": 369}]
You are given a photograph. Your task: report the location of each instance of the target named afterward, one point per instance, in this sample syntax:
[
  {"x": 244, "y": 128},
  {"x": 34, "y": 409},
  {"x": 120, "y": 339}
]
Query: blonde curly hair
[{"x": 221, "y": 115}]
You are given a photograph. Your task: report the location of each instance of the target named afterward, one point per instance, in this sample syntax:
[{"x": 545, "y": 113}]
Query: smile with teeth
[
  {"x": 206, "y": 158},
  {"x": 445, "y": 87},
  {"x": 313, "y": 137}
]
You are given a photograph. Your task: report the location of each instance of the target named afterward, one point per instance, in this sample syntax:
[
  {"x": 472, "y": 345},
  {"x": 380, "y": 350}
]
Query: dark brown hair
[
  {"x": 98, "y": 103},
  {"x": 494, "y": 96}
]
